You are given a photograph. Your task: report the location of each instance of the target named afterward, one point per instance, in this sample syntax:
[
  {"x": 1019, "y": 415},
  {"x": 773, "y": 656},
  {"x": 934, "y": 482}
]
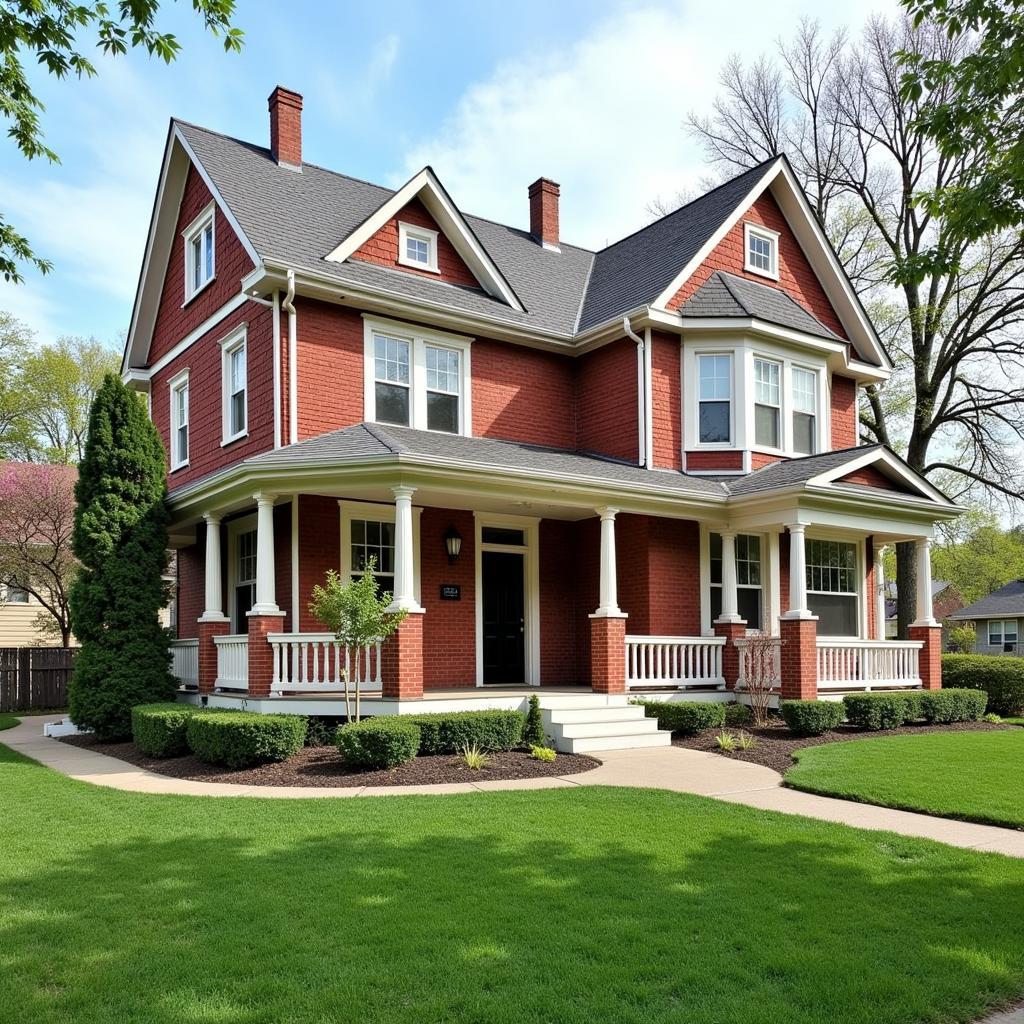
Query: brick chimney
[
  {"x": 286, "y": 127},
  {"x": 544, "y": 212}
]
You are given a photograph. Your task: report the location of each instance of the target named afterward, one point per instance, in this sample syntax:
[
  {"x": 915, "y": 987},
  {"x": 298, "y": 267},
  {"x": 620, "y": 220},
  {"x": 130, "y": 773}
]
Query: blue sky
[{"x": 491, "y": 94}]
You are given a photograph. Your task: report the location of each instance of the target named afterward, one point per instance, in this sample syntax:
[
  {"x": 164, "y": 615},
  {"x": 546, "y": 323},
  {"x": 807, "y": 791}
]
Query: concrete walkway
[{"x": 672, "y": 768}]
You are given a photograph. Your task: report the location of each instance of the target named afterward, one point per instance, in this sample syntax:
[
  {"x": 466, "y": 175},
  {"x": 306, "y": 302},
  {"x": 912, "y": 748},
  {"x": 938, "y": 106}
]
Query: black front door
[{"x": 504, "y": 656}]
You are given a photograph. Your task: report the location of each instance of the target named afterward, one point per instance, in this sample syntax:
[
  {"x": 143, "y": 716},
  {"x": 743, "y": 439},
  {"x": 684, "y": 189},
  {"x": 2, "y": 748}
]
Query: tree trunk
[{"x": 906, "y": 587}]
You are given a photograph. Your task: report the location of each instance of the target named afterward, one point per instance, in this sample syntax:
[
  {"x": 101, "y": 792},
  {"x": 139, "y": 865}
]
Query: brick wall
[
  {"x": 871, "y": 476},
  {"x": 191, "y": 586},
  {"x": 559, "y": 595},
  {"x": 283, "y": 563},
  {"x": 319, "y": 550},
  {"x": 707, "y": 461},
  {"x": 666, "y": 400},
  {"x": 607, "y": 400},
  {"x": 758, "y": 460},
  {"x": 844, "y": 412}
]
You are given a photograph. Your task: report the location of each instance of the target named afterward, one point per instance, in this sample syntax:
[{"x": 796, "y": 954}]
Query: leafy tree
[
  {"x": 53, "y": 30},
  {"x": 120, "y": 538},
  {"x": 37, "y": 514},
  {"x": 974, "y": 106},
  {"x": 15, "y": 345},
  {"x": 977, "y": 555},
  {"x": 962, "y": 638},
  {"x": 954, "y": 406},
  {"x": 357, "y": 615}
]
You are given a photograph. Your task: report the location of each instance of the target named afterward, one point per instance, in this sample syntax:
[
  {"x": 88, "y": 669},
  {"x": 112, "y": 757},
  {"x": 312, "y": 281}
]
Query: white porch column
[
  {"x": 730, "y": 604},
  {"x": 404, "y": 597},
  {"x": 214, "y": 599},
  {"x": 925, "y": 614},
  {"x": 797, "y": 573},
  {"x": 266, "y": 600},
  {"x": 880, "y": 550},
  {"x": 608, "y": 606}
]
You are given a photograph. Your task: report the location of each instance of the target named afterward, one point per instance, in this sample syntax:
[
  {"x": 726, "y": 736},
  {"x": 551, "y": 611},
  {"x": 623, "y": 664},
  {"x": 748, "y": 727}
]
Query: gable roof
[
  {"x": 1007, "y": 600},
  {"x": 729, "y": 296}
]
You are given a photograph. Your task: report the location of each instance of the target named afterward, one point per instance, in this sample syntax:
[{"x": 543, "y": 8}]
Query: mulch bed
[
  {"x": 325, "y": 766},
  {"x": 775, "y": 743}
]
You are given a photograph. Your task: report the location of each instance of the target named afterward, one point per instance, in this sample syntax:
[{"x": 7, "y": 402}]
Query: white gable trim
[
  {"x": 426, "y": 186},
  {"x": 886, "y": 458}
]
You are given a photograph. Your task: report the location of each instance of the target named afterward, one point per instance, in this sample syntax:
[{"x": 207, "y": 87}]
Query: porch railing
[
  {"x": 863, "y": 664},
  {"x": 679, "y": 661},
  {"x": 317, "y": 662},
  {"x": 185, "y": 661},
  {"x": 232, "y": 662},
  {"x": 747, "y": 658}
]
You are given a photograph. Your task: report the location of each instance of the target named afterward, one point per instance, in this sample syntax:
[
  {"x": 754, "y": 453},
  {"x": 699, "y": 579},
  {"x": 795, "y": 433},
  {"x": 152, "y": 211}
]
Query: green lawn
[
  {"x": 7, "y": 721},
  {"x": 976, "y": 776},
  {"x": 572, "y": 906}
]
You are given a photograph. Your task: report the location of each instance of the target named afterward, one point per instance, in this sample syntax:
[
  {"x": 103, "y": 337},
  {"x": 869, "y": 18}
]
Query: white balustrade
[
  {"x": 317, "y": 662},
  {"x": 863, "y": 664},
  {"x": 679, "y": 661},
  {"x": 746, "y": 650},
  {"x": 185, "y": 661},
  {"x": 232, "y": 662}
]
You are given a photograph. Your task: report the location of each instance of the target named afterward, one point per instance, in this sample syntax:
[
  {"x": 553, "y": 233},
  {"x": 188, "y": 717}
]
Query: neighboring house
[
  {"x": 533, "y": 440},
  {"x": 998, "y": 619},
  {"x": 946, "y": 599},
  {"x": 19, "y": 615}
]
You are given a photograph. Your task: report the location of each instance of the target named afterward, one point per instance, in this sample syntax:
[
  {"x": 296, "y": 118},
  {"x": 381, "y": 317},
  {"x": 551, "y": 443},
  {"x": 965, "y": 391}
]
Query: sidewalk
[{"x": 672, "y": 768}]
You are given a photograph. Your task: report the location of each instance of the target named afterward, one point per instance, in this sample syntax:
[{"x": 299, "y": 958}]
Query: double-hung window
[
  {"x": 179, "y": 421},
  {"x": 417, "y": 247},
  {"x": 767, "y": 403},
  {"x": 392, "y": 379},
  {"x": 1002, "y": 632},
  {"x": 199, "y": 253},
  {"x": 715, "y": 402},
  {"x": 832, "y": 591},
  {"x": 805, "y": 411},
  {"x": 235, "y": 392},
  {"x": 374, "y": 541},
  {"x": 245, "y": 578},
  {"x": 749, "y": 602},
  {"x": 444, "y": 381},
  {"x": 761, "y": 247}
]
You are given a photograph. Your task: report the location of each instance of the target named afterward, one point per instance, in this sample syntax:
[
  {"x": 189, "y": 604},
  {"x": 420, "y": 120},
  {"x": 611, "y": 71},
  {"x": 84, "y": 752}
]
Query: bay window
[
  {"x": 715, "y": 413},
  {"x": 443, "y": 386},
  {"x": 749, "y": 578},
  {"x": 832, "y": 586},
  {"x": 391, "y": 380},
  {"x": 767, "y": 403},
  {"x": 805, "y": 411}
]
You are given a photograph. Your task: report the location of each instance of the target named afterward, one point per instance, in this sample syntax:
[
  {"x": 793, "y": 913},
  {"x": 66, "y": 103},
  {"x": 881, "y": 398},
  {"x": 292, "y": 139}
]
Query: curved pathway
[{"x": 673, "y": 768}]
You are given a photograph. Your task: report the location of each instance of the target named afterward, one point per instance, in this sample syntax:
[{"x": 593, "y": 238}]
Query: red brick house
[{"x": 574, "y": 468}]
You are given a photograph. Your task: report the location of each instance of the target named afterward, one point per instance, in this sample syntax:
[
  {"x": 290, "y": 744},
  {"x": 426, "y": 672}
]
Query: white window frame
[
  {"x": 418, "y": 234},
  {"x": 763, "y": 234},
  {"x": 237, "y": 527},
  {"x": 1002, "y": 632},
  {"x": 376, "y": 513},
  {"x": 419, "y": 339},
  {"x": 716, "y": 445},
  {"x": 778, "y": 406},
  {"x": 174, "y": 386},
  {"x": 198, "y": 228},
  {"x": 860, "y": 592},
  {"x": 237, "y": 339},
  {"x": 793, "y": 410}
]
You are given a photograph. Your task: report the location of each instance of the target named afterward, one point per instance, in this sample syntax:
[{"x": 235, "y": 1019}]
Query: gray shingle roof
[
  {"x": 1008, "y": 600},
  {"x": 726, "y": 295},
  {"x": 375, "y": 440},
  {"x": 792, "y": 472}
]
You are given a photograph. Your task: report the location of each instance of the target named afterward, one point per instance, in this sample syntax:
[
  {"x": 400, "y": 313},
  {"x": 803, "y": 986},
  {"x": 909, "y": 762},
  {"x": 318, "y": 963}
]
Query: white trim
[
  {"x": 237, "y": 339},
  {"x": 884, "y": 456},
  {"x": 174, "y": 385},
  {"x": 417, "y": 234},
  {"x": 376, "y": 513},
  {"x": 236, "y": 527},
  {"x": 198, "y": 229},
  {"x": 764, "y": 234},
  {"x": 531, "y": 587},
  {"x": 426, "y": 186},
  {"x": 296, "y": 605},
  {"x": 858, "y": 542}
]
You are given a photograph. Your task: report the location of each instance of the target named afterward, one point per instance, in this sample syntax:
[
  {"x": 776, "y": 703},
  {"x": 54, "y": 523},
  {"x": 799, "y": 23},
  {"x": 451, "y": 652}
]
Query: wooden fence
[{"x": 34, "y": 677}]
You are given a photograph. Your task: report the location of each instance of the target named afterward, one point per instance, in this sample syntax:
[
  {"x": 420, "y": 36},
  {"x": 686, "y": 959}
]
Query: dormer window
[
  {"x": 761, "y": 248},
  {"x": 199, "y": 253},
  {"x": 417, "y": 247}
]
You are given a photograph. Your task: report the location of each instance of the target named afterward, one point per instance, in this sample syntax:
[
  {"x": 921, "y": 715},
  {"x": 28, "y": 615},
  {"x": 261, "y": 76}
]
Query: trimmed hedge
[
  {"x": 450, "y": 732},
  {"x": 378, "y": 742},
  {"x": 1002, "y": 678},
  {"x": 158, "y": 730},
  {"x": 687, "y": 717},
  {"x": 239, "y": 739},
  {"x": 953, "y": 705},
  {"x": 812, "y": 717},
  {"x": 738, "y": 714},
  {"x": 879, "y": 710}
]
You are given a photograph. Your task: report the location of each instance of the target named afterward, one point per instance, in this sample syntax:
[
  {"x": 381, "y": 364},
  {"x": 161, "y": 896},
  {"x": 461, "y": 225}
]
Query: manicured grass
[
  {"x": 975, "y": 776},
  {"x": 1014, "y": 721},
  {"x": 7, "y": 721},
  {"x": 575, "y": 906}
]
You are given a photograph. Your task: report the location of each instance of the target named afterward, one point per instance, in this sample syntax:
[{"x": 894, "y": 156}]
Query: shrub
[
  {"x": 448, "y": 733},
  {"x": 991, "y": 718},
  {"x": 540, "y": 753},
  {"x": 1002, "y": 678},
  {"x": 944, "y": 706},
  {"x": 239, "y": 739},
  {"x": 685, "y": 717},
  {"x": 962, "y": 638},
  {"x": 737, "y": 714},
  {"x": 811, "y": 717},
  {"x": 877, "y": 710},
  {"x": 915, "y": 705},
  {"x": 159, "y": 729},
  {"x": 320, "y": 730},
  {"x": 474, "y": 758},
  {"x": 726, "y": 741},
  {"x": 533, "y": 734},
  {"x": 378, "y": 742}
]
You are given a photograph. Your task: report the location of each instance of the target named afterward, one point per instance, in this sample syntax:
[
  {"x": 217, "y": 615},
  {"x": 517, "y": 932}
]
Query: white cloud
[
  {"x": 602, "y": 116},
  {"x": 350, "y": 96}
]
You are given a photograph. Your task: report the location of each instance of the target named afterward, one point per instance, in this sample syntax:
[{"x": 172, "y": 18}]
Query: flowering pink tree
[{"x": 37, "y": 514}]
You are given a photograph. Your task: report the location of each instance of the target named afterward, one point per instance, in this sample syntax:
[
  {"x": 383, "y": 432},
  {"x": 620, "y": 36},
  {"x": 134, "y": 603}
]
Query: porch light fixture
[{"x": 452, "y": 543}]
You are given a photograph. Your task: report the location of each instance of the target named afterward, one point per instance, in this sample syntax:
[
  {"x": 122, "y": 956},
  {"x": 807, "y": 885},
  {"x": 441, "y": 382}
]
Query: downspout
[
  {"x": 641, "y": 392},
  {"x": 648, "y": 399},
  {"x": 293, "y": 390},
  {"x": 275, "y": 306}
]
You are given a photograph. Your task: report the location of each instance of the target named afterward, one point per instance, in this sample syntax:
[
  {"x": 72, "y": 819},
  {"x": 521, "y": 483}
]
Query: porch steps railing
[
  {"x": 316, "y": 662},
  {"x": 863, "y": 664},
  {"x": 678, "y": 661},
  {"x": 185, "y": 661},
  {"x": 232, "y": 662}
]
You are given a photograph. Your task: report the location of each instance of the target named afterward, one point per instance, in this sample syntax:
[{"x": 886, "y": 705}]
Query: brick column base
[
  {"x": 208, "y": 629},
  {"x": 261, "y": 655},
  {"x": 608, "y": 654},
  {"x": 402, "y": 660},
  {"x": 799, "y": 658},
  {"x": 930, "y": 656},
  {"x": 732, "y": 631}
]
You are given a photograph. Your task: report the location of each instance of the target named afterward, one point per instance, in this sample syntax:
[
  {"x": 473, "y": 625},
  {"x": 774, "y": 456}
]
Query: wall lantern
[{"x": 452, "y": 543}]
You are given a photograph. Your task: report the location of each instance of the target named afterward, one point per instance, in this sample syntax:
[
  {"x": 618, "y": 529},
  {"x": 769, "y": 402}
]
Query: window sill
[
  {"x": 771, "y": 275},
  {"x": 418, "y": 266},
  {"x": 180, "y": 465},
  {"x": 231, "y": 440},
  {"x": 199, "y": 291}
]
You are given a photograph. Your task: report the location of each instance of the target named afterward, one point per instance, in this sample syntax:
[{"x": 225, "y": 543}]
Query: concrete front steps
[{"x": 580, "y": 724}]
